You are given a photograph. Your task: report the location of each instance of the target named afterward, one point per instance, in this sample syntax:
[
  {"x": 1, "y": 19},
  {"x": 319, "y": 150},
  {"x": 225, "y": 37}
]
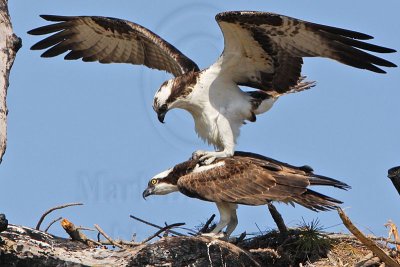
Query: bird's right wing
[
  {"x": 265, "y": 50},
  {"x": 110, "y": 40}
]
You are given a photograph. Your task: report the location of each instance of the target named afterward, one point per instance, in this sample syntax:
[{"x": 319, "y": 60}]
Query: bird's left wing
[
  {"x": 240, "y": 181},
  {"x": 265, "y": 50},
  {"x": 110, "y": 40}
]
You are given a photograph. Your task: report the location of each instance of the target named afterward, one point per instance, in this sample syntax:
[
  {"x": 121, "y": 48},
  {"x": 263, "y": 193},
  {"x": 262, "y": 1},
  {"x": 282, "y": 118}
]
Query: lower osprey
[
  {"x": 245, "y": 178},
  {"x": 262, "y": 50}
]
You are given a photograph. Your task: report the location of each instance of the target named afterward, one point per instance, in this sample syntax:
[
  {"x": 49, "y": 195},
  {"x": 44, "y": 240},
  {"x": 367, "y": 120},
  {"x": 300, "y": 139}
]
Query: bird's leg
[
  {"x": 208, "y": 157},
  {"x": 224, "y": 139},
  {"x": 225, "y": 213},
  {"x": 233, "y": 222}
]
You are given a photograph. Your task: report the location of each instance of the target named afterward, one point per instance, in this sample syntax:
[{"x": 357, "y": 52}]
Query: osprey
[
  {"x": 262, "y": 50},
  {"x": 245, "y": 178}
]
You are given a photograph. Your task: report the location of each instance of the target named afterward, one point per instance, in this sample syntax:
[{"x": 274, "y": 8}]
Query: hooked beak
[
  {"x": 161, "y": 116},
  {"x": 147, "y": 192}
]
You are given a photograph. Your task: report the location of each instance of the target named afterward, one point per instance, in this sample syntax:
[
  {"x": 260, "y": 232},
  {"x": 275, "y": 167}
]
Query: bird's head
[
  {"x": 167, "y": 181},
  {"x": 174, "y": 93},
  {"x": 161, "y": 184},
  {"x": 162, "y": 100}
]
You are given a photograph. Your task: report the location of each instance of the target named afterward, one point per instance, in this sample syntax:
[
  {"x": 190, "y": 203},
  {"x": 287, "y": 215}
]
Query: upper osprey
[{"x": 262, "y": 50}]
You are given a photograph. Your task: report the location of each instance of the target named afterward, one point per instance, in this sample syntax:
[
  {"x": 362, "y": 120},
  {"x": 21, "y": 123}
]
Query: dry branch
[
  {"x": 164, "y": 229},
  {"x": 77, "y": 235},
  {"x": 107, "y": 236},
  {"x": 366, "y": 241},
  {"x": 205, "y": 228},
  {"x": 53, "y": 209},
  {"x": 51, "y": 223},
  {"x": 154, "y": 225},
  {"x": 9, "y": 45},
  {"x": 278, "y": 219},
  {"x": 393, "y": 232}
]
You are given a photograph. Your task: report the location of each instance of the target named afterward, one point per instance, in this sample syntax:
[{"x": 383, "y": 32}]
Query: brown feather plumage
[{"x": 253, "y": 179}]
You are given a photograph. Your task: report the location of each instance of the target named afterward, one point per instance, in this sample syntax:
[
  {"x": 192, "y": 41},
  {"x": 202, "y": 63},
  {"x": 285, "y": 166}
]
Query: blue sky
[{"x": 86, "y": 132}]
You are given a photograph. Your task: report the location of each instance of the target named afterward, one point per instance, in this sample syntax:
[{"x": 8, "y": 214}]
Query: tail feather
[
  {"x": 326, "y": 181},
  {"x": 316, "y": 201}
]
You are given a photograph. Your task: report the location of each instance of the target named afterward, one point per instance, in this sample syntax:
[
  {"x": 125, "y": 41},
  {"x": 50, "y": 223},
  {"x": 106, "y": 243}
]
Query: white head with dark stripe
[
  {"x": 173, "y": 94},
  {"x": 166, "y": 181}
]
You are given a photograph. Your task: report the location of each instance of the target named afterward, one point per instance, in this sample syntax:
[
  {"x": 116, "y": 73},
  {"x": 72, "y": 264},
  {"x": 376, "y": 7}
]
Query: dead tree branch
[
  {"x": 164, "y": 229},
  {"x": 52, "y": 222},
  {"x": 53, "y": 209},
  {"x": 154, "y": 225},
  {"x": 366, "y": 241},
  {"x": 77, "y": 235},
  {"x": 107, "y": 236},
  {"x": 278, "y": 219},
  {"x": 9, "y": 45},
  {"x": 205, "y": 228}
]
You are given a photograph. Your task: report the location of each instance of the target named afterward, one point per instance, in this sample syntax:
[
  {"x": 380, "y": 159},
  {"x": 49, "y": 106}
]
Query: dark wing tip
[
  {"x": 56, "y": 18},
  {"x": 387, "y": 50}
]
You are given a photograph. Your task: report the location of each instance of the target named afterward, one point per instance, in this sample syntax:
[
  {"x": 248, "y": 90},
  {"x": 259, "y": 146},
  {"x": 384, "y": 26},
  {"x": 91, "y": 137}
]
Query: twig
[
  {"x": 50, "y": 224},
  {"x": 204, "y": 229},
  {"x": 166, "y": 228},
  {"x": 366, "y": 241},
  {"x": 107, "y": 237},
  {"x": 375, "y": 238},
  {"x": 259, "y": 229},
  {"x": 75, "y": 234},
  {"x": 241, "y": 237},
  {"x": 278, "y": 219},
  {"x": 85, "y": 228},
  {"x": 53, "y": 209},
  {"x": 121, "y": 242},
  {"x": 154, "y": 225},
  {"x": 393, "y": 232}
]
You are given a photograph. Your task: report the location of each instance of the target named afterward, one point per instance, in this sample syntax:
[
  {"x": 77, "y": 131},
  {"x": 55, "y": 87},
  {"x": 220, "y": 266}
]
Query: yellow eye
[{"x": 153, "y": 181}]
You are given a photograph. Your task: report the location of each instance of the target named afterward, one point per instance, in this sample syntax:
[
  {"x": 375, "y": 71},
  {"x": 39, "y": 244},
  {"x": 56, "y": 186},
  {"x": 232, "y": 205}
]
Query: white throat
[{"x": 164, "y": 188}]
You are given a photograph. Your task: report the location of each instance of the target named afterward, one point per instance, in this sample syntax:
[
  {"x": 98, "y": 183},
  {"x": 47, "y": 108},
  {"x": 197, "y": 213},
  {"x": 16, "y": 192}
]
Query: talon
[
  {"x": 197, "y": 154},
  {"x": 220, "y": 235},
  {"x": 209, "y": 160}
]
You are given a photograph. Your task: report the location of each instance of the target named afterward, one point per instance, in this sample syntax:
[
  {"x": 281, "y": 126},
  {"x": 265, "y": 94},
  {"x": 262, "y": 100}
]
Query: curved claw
[{"x": 220, "y": 235}]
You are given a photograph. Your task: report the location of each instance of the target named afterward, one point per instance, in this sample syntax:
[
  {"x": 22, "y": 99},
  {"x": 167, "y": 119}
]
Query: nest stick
[{"x": 53, "y": 209}]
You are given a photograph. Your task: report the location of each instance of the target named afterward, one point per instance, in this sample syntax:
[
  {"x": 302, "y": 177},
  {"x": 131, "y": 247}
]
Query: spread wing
[
  {"x": 256, "y": 181},
  {"x": 265, "y": 50},
  {"x": 110, "y": 40}
]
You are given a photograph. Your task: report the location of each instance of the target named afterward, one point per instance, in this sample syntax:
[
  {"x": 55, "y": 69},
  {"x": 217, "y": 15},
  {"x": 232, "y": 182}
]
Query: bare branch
[
  {"x": 52, "y": 222},
  {"x": 85, "y": 228},
  {"x": 278, "y": 219},
  {"x": 107, "y": 237},
  {"x": 154, "y": 225},
  {"x": 205, "y": 229},
  {"x": 10, "y": 44},
  {"x": 166, "y": 228},
  {"x": 366, "y": 241},
  {"x": 53, "y": 209},
  {"x": 77, "y": 235}
]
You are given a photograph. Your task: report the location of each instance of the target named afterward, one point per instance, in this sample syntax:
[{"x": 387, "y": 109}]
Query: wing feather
[
  {"x": 265, "y": 50},
  {"x": 109, "y": 40},
  {"x": 252, "y": 179}
]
